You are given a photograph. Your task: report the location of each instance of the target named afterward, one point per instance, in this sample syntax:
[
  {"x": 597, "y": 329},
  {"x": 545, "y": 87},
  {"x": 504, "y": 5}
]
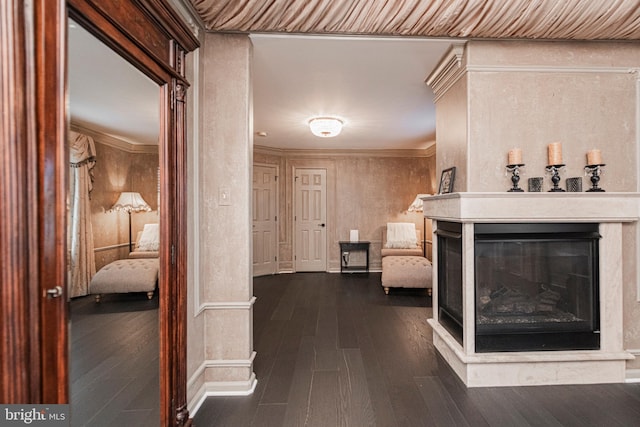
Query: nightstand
[{"x": 346, "y": 248}]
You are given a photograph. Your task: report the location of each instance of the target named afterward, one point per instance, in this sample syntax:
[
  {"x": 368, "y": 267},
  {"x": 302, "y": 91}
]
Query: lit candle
[
  {"x": 515, "y": 156},
  {"x": 554, "y": 152},
  {"x": 594, "y": 157}
]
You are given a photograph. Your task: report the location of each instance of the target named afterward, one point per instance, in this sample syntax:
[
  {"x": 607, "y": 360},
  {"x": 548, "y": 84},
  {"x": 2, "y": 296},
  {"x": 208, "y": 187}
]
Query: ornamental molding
[{"x": 448, "y": 71}]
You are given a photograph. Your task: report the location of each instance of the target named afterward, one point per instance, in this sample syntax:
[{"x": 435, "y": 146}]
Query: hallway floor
[{"x": 334, "y": 350}]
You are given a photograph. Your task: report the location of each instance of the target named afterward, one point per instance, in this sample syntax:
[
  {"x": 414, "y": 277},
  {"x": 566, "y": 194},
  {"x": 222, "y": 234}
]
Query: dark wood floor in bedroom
[
  {"x": 114, "y": 361},
  {"x": 333, "y": 350}
]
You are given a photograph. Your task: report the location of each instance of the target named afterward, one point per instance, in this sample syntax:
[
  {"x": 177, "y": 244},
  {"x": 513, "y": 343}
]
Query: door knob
[
  {"x": 54, "y": 292},
  {"x": 321, "y": 225}
]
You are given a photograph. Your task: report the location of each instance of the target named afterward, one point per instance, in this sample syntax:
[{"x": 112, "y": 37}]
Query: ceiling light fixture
[{"x": 325, "y": 127}]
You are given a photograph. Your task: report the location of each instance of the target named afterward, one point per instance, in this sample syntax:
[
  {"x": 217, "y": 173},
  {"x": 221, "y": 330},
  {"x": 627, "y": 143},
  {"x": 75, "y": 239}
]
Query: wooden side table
[{"x": 346, "y": 247}]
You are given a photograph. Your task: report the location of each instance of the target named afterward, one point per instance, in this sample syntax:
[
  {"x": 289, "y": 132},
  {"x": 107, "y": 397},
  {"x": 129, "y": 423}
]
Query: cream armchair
[{"x": 403, "y": 262}]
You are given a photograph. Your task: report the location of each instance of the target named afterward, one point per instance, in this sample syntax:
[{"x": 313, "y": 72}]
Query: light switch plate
[{"x": 224, "y": 196}]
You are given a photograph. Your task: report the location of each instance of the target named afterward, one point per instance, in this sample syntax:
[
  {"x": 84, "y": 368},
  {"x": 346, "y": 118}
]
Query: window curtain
[{"x": 82, "y": 265}]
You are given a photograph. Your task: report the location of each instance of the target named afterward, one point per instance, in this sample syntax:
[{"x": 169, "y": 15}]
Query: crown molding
[
  {"x": 448, "y": 71},
  {"x": 114, "y": 142},
  {"x": 189, "y": 15},
  {"x": 550, "y": 69},
  {"x": 283, "y": 152}
]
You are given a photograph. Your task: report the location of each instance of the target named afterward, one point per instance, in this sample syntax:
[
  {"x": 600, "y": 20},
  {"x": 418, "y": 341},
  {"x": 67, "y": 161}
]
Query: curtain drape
[
  {"x": 530, "y": 19},
  {"x": 82, "y": 265}
]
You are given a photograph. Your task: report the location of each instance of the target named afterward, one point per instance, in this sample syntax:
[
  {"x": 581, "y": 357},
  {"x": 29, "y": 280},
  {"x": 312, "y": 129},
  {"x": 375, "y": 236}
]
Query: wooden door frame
[{"x": 33, "y": 212}]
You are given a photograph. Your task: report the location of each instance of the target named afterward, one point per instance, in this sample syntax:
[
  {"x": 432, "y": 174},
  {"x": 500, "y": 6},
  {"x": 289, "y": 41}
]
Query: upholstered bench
[
  {"x": 126, "y": 275},
  {"x": 406, "y": 272}
]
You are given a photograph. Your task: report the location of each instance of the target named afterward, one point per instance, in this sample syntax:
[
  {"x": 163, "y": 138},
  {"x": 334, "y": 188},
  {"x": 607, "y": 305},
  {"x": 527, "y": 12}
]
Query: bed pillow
[
  {"x": 401, "y": 235},
  {"x": 150, "y": 238}
]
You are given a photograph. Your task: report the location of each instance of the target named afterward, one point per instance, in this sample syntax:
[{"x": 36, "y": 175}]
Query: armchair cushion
[
  {"x": 401, "y": 235},
  {"x": 412, "y": 248},
  {"x": 147, "y": 242}
]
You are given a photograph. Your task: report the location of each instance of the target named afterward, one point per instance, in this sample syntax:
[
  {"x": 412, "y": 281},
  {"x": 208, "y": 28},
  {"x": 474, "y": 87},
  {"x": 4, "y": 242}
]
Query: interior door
[
  {"x": 310, "y": 219},
  {"x": 264, "y": 220}
]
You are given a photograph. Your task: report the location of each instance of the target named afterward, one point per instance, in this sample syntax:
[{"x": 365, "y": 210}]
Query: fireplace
[
  {"x": 536, "y": 287},
  {"x": 529, "y": 286}
]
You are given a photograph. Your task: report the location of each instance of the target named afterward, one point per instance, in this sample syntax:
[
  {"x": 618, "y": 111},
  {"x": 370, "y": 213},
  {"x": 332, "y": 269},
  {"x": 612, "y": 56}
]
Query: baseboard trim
[
  {"x": 221, "y": 388},
  {"x": 632, "y": 376}
]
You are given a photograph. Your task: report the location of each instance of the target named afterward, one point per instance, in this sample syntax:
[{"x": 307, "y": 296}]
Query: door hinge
[
  {"x": 275, "y": 258},
  {"x": 276, "y": 218},
  {"x": 173, "y": 254},
  {"x": 173, "y": 98},
  {"x": 276, "y": 178}
]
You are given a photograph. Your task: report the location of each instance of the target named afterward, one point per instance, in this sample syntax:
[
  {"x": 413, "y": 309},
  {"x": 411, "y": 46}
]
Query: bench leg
[
  {"x": 386, "y": 291},
  {"x": 150, "y": 295}
]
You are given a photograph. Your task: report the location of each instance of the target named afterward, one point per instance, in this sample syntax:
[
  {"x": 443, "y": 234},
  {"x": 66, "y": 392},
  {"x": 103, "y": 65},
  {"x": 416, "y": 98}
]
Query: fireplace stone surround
[{"x": 487, "y": 369}]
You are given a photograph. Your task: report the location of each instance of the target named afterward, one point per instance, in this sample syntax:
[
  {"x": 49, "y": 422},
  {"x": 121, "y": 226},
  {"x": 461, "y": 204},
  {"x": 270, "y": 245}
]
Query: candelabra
[
  {"x": 554, "y": 170},
  {"x": 594, "y": 171},
  {"x": 515, "y": 176}
]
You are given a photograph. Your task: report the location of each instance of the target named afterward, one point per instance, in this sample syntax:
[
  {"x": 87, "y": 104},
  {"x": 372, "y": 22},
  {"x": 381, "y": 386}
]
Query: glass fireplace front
[
  {"x": 536, "y": 287},
  {"x": 450, "y": 310}
]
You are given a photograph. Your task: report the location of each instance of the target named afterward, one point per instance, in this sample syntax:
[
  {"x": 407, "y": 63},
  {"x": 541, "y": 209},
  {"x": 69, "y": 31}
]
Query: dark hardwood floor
[
  {"x": 114, "y": 361},
  {"x": 334, "y": 350}
]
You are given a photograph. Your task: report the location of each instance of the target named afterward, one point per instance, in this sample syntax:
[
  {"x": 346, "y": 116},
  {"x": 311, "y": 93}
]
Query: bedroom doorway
[
  {"x": 35, "y": 187},
  {"x": 114, "y": 343}
]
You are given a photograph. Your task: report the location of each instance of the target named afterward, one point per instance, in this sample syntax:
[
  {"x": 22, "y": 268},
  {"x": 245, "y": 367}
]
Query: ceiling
[
  {"x": 374, "y": 84},
  {"x": 107, "y": 94}
]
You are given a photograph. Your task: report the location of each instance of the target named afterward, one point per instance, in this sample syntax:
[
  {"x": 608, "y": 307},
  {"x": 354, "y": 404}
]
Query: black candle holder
[
  {"x": 515, "y": 176},
  {"x": 554, "y": 170},
  {"x": 594, "y": 171}
]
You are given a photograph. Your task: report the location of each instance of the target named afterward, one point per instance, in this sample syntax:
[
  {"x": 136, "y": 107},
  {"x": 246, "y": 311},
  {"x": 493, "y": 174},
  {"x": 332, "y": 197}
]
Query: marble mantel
[
  {"x": 606, "y": 365},
  {"x": 539, "y": 207}
]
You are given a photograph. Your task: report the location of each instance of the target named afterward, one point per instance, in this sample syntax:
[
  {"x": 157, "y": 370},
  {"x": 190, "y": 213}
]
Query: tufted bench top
[
  {"x": 126, "y": 275},
  {"x": 406, "y": 272}
]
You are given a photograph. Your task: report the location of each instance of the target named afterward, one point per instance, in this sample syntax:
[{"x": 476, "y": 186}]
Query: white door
[
  {"x": 311, "y": 220},
  {"x": 264, "y": 220}
]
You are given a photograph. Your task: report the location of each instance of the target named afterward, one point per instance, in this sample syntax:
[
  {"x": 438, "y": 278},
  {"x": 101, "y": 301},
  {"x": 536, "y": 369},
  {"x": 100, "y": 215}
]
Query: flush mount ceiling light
[{"x": 325, "y": 127}]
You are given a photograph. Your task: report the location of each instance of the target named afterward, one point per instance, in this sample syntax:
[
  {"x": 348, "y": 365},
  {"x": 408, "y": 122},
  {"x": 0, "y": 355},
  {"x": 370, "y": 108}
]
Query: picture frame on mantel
[{"x": 446, "y": 181}]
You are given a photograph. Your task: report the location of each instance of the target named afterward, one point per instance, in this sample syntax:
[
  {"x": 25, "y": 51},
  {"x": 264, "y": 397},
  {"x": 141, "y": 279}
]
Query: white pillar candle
[
  {"x": 515, "y": 157},
  {"x": 554, "y": 153},
  {"x": 594, "y": 157}
]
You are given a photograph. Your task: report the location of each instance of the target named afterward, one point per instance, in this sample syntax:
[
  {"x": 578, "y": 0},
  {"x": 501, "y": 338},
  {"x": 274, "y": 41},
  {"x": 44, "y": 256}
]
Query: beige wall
[
  {"x": 120, "y": 168},
  {"x": 365, "y": 190},
  {"x": 220, "y": 353},
  {"x": 452, "y": 142},
  {"x": 529, "y": 94}
]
